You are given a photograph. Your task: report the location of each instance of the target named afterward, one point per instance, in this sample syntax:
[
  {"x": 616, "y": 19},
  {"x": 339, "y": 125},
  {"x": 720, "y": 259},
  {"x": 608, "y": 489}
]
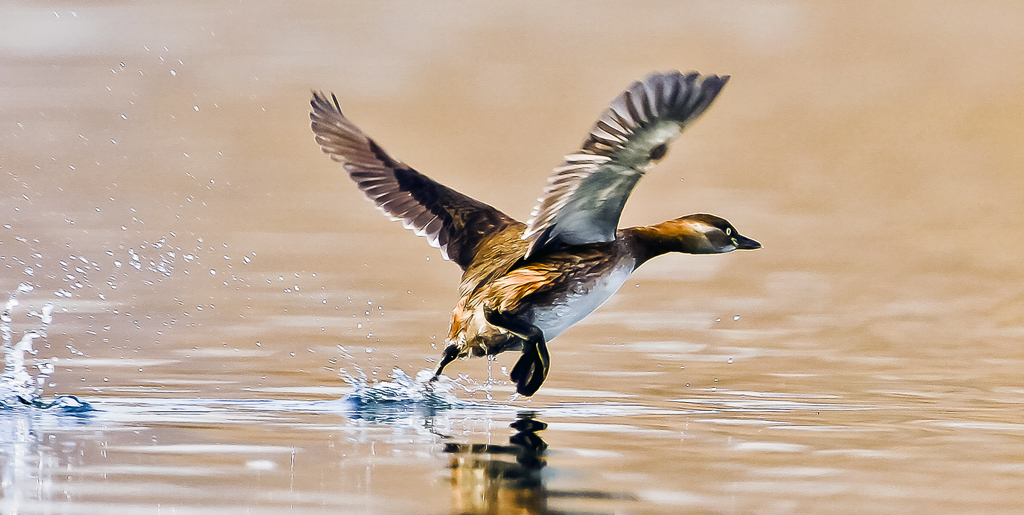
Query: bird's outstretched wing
[
  {"x": 451, "y": 221},
  {"x": 584, "y": 197}
]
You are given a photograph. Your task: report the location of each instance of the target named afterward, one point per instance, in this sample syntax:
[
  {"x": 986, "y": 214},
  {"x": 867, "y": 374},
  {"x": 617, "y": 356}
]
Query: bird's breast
[{"x": 579, "y": 299}]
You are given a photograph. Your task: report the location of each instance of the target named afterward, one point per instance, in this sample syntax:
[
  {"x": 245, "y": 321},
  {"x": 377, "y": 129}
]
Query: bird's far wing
[
  {"x": 584, "y": 197},
  {"x": 451, "y": 221}
]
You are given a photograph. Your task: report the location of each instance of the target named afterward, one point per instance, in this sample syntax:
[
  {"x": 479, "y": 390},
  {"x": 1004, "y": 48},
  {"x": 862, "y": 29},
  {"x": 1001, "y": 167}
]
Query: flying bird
[{"x": 524, "y": 284}]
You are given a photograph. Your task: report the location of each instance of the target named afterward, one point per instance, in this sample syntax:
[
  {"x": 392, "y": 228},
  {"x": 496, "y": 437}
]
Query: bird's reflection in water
[{"x": 501, "y": 478}]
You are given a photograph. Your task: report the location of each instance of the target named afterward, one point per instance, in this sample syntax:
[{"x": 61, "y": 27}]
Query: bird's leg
[
  {"x": 450, "y": 353},
  {"x": 532, "y": 368}
]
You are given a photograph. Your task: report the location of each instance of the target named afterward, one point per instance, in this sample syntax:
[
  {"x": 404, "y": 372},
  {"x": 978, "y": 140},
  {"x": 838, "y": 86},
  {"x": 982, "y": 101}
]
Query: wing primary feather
[
  {"x": 584, "y": 196},
  {"x": 451, "y": 221},
  {"x": 635, "y": 112}
]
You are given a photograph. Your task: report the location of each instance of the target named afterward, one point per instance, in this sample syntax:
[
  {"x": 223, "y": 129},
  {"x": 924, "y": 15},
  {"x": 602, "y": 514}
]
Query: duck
[{"x": 524, "y": 284}]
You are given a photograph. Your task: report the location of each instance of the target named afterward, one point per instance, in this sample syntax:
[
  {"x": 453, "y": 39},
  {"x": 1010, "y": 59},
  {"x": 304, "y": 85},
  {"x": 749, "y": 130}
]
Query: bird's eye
[{"x": 728, "y": 232}]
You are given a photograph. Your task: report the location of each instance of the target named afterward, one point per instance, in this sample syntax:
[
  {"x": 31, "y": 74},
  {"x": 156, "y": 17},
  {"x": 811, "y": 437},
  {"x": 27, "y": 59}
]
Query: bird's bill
[{"x": 744, "y": 243}]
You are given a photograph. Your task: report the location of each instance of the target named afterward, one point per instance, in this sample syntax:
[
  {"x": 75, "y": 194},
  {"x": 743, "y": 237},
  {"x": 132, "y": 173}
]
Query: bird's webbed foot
[{"x": 532, "y": 368}]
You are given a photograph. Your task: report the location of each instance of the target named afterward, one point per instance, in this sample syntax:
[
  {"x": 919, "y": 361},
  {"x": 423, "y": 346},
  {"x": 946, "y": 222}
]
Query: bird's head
[{"x": 702, "y": 234}]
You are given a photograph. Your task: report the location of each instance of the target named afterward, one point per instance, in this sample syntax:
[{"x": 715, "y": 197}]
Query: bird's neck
[{"x": 672, "y": 236}]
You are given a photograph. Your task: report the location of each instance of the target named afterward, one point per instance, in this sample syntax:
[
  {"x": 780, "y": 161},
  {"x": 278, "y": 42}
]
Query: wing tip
[
  {"x": 320, "y": 102},
  {"x": 696, "y": 93}
]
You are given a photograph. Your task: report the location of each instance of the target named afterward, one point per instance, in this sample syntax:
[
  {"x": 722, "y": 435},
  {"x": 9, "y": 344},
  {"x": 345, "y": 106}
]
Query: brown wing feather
[
  {"x": 554, "y": 273},
  {"x": 451, "y": 221}
]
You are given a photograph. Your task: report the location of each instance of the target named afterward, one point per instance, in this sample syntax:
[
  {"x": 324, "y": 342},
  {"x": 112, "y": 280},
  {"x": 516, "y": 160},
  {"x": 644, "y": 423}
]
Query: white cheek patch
[
  {"x": 706, "y": 230},
  {"x": 700, "y": 227}
]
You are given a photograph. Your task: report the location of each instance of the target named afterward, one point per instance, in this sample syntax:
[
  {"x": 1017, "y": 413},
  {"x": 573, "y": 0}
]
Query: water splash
[
  {"x": 17, "y": 385},
  {"x": 401, "y": 396},
  {"x": 401, "y": 389}
]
